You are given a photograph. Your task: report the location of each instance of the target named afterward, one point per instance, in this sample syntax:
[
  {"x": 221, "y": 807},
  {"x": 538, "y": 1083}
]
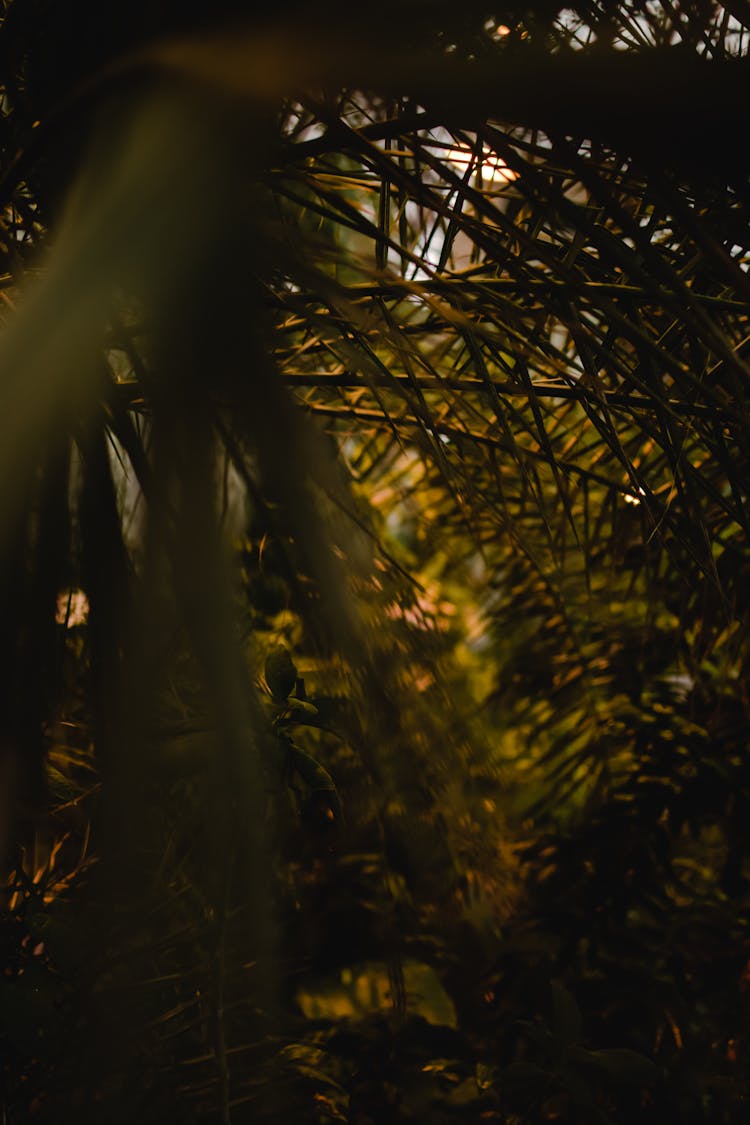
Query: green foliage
[{"x": 374, "y": 553}]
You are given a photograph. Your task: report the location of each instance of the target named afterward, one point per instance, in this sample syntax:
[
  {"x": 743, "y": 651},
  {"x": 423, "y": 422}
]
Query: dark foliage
[{"x": 373, "y": 539}]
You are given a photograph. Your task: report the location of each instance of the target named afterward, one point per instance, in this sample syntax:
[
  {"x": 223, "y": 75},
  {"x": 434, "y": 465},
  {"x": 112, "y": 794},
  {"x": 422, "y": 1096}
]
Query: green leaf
[
  {"x": 626, "y": 1067},
  {"x": 310, "y": 770},
  {"x": 565, "y": 1014},
  {"x": 281, "y": 674},
  {"x": 362, "y": 989},
  {"x": 301, "y": 706},
  {"x": 317, "y": 778}
]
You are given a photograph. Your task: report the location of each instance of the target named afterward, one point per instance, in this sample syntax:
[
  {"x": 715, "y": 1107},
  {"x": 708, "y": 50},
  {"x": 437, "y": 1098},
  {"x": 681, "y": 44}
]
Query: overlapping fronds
[
  {"x": 509, "y": 289},
  {"x": 422, "y": 295},
  {"x": 532, "y": 343}
]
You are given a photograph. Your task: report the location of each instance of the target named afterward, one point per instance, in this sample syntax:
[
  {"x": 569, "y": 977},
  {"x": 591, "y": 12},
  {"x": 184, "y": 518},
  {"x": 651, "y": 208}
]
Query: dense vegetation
[{"x": 375, "y": 570}]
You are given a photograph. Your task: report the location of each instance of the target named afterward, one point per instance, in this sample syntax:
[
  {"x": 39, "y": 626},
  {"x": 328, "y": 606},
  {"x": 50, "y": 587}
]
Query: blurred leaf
[
  {"x": 281, "y": 674},
  {"x": 364, "y": 989}
]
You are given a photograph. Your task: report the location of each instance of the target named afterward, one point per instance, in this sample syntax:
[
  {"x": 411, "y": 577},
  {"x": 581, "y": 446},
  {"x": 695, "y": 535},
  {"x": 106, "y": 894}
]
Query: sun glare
[{"x": 490, "y": 168}]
